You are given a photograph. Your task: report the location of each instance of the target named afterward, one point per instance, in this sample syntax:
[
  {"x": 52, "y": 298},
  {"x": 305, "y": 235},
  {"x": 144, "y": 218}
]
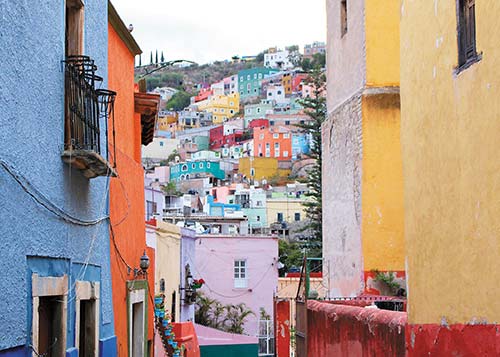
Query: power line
[{"x": 43, "y": 201}]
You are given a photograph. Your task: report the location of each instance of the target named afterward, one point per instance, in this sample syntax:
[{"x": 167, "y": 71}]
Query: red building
[
  {"x": 203, "y": 94},
  {"x": 218, "y": 139},
  {"x": 275, "y": 142},
  {"x": 258, "y": 123}
]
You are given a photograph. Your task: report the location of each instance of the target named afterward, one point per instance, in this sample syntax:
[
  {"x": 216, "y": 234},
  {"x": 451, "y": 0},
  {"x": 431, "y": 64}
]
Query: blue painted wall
[{"x": 31, "y": 140}]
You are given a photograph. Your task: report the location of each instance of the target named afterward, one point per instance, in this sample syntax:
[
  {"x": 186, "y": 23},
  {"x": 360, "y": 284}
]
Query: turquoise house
[
  {"x": 199, "y": 169},
  {"x": 250, "y": 81}
]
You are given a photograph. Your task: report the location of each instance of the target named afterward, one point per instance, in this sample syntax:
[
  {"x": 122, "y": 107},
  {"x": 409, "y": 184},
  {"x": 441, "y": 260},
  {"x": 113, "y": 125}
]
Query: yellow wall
[
  {"x": 451, "y": 143},
  {"x": 264, "y": 167},
  {"x": 382, "y": 42},
  {"x": 382, "y": 185},
  {"x": 168, "y": 255},
  {"x": 216, "y": 103},
  {"x": 286, "y": 206}
]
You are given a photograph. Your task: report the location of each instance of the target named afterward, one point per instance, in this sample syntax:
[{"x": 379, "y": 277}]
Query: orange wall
[
  {"x": 285, "y": 144},
  {"x": 126, "y": 191}
]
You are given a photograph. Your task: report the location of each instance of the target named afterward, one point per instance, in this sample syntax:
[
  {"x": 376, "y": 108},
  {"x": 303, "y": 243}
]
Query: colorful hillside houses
[
  {"x": 221, "y": 107},
  {"x": 198, "y": 169},
  {"x": 250, "y": 81}
]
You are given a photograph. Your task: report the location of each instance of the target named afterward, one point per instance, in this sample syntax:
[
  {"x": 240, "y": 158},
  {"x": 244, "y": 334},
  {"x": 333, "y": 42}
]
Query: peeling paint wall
[
  {"x": 339, "y": 330},
  {"x": 31, "y": 140},
  {"x": 362, "y": 169}
]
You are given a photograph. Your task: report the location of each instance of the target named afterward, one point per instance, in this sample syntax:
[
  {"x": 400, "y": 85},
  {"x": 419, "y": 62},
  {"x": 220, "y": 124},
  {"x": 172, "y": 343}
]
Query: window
[
  {"x": 271, "y": 122},
  {"x": 184, "y": 168},
  {"x": 343, "y": 17},
  {"x": 208, "y": 165},
  {"x": 240, "y": 274},
  {"x": 258, "y": 218},
  {"x": 286, "y": 136},
  {"x": 255, "y": 90},
  {"x": 252, "y": 172},
  {"x": 241, "y": 79},
  {"x": 258, "y": 110},
  {"x": 297, "y": 216},
  {"x": 255, "y": 76},
  {"x": 279, "y": 217},
  {"x": 276, "y": 145},
  {"x": 276, "y": 136},
  {"x": 279, "y": 92},
  {"x": 151, "y": 208},
  {"x": 161, "y": 143},
  {"x": 285, "y": 153},
  {"x": 261, "y": 137},
  {"x": 260, "y": 75},
  {"x": 87, "y": 317},
  {"x": 269, "y": 94},
  {"x": 248, "y": 77},
  {"x": 49, "y": 314},
  {"x": 466, "y": 31},
  {"x": 231, "y": 104},
  {"x": 74, "y": 27},
  {"x": 266, "y": 338},
  {"x": 287, "y": 122},
  {"x": 193, "y": 166}
]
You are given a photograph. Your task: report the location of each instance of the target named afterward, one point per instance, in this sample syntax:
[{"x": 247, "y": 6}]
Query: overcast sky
[{"x": 209, "y": 30}]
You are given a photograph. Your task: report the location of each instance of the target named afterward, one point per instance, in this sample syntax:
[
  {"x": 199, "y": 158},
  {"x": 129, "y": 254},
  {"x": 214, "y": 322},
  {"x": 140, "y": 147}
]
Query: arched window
[{"x": 184, "y": 168}]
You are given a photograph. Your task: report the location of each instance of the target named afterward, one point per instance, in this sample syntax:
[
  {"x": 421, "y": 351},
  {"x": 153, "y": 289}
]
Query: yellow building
[
  {"x": 221, "y": 106},
  {"x": 286, "y": 82},
  {"x": 285, "y": 209},
  {"x": 363, "y": 226},
  {"x": 168, "y": 263},
  {"x": 450, "y": 89},
  {"x": 259, "y": 168},
  {"x": 166, "y": 121}
]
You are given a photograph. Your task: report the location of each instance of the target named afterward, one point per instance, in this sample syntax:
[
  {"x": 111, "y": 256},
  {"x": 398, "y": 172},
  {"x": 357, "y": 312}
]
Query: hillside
[{"x": 186, "y": 78}]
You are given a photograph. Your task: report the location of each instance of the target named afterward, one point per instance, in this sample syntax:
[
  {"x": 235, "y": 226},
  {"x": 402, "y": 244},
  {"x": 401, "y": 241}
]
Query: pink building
[{"x": 240, "y": 269}]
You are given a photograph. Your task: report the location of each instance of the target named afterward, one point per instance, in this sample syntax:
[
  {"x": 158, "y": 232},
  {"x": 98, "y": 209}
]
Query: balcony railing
[{"x": 86, "y": 108}]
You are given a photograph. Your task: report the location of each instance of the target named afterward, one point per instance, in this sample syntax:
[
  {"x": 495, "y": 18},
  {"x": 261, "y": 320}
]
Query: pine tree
[
  {"x": 315, "y": 107},
  {"x": 151, "y": 60},
  {"x": 156, "y": 57},
  {"x": 162, "y": 58}
]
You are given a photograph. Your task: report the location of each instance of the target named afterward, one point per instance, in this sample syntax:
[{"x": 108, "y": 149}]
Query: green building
[
  {"x": 257, "y": 111},
  {"x": 250, "y": 81}
]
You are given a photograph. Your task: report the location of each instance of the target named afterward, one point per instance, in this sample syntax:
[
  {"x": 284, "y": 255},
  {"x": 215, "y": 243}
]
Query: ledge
[{"x": 89, "y": 162}]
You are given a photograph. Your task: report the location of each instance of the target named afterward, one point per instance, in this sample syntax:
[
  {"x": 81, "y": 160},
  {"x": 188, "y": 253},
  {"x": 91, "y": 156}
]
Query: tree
[
  {"x": 315, "y": 107},
  {"x": 151, "y": 59},
  {"x": 235, "y": 317},
  {"x": 162, "y": 58},
  {"x": 290, "y": 255},
  {"x": 179, "y": 101},
  {"x": 212, "y": 313},
  {"x": 156, "y": 57}
]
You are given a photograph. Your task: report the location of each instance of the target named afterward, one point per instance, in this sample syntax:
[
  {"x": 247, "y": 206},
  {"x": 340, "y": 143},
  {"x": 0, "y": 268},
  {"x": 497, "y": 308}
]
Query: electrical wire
[{"x": 43, "y": 201}]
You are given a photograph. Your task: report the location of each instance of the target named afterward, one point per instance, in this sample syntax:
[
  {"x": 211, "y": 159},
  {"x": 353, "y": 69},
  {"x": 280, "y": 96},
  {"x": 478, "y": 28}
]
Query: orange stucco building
[
  {"x": 275, "y": 142},
  {"x": 135, "y": 114}
]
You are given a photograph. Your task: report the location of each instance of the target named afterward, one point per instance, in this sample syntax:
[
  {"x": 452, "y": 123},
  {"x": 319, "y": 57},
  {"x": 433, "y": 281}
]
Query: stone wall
[{"x": 342, "y": 160}]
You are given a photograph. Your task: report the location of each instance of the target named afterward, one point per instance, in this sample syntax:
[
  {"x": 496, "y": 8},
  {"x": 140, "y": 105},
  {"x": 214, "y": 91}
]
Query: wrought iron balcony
[{"x": 85, "y": 108}]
